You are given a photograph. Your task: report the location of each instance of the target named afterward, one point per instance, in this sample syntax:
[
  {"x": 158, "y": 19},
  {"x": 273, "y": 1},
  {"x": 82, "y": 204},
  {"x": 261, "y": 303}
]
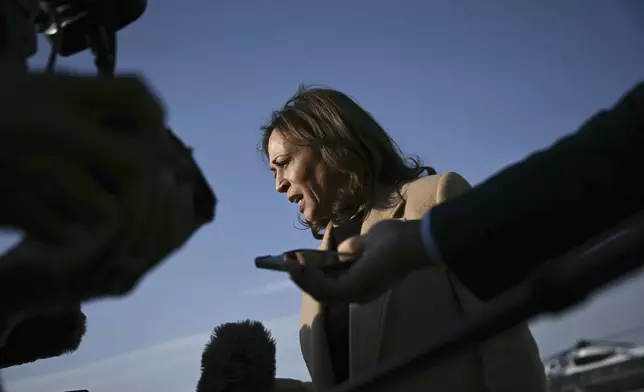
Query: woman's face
[{"x": 305, "y": 179}]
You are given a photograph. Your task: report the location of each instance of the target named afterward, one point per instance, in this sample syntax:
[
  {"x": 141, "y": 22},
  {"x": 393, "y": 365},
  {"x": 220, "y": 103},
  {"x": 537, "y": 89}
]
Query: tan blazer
[{"x": 421, "y": 308}]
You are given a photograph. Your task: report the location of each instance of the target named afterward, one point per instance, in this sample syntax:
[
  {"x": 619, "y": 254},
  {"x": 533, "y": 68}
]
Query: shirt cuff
[{"x": 428, "y": 240}]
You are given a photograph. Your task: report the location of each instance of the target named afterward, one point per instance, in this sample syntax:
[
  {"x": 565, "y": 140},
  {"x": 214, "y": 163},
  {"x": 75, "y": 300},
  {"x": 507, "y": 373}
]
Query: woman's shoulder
[{"x": 425, "y": 192}]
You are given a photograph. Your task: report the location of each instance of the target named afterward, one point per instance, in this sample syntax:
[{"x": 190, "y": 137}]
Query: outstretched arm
[{"x": 552, "y": 201}]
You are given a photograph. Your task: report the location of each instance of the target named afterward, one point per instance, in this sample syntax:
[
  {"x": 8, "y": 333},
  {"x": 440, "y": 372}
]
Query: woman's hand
[{"x": 389, "y": 252}]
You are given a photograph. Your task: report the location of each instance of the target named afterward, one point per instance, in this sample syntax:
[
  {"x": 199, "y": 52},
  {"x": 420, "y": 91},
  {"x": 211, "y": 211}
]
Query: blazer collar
[{"x": 366, "y": 321}]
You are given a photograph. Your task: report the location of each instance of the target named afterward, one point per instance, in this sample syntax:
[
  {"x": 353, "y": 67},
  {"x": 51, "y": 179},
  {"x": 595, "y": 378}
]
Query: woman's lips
[{"x": 301, "y": 204}]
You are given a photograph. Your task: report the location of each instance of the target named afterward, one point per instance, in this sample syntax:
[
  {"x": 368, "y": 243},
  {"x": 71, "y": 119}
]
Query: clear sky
[{"x": 469, "y": 85}]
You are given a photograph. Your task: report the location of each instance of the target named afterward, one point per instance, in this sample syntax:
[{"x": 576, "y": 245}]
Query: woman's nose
[{"x": 281, "y": 186}]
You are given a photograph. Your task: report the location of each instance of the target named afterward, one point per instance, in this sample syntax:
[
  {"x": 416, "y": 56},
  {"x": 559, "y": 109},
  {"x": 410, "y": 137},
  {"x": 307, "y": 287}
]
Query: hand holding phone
[{"x": 329, "y": 261}]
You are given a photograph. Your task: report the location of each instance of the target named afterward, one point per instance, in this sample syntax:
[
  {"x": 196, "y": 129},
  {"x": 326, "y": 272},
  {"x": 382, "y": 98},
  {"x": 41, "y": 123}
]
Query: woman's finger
[
  {"x": 294, "y": 257},
  {"x": 290, "y": 256},
  {"x": 349, "y": 248},
  {"x": 300, "y": 271},
  {"x": 309, "y": 277},
  {"x": 303, "y": 259},
  {"x": 295, "y": 270}
]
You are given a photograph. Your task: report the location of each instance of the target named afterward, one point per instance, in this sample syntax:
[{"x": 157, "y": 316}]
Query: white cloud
[
  {"x": 269, "y": 288},
  {"x": 168, "y": 367}
]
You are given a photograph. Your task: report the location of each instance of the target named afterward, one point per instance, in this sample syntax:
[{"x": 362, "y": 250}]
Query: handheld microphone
[{"x": 240, "y": 357}]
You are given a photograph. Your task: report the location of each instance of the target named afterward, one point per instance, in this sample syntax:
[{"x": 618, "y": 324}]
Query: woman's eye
[{"x": 279, "y": 165}]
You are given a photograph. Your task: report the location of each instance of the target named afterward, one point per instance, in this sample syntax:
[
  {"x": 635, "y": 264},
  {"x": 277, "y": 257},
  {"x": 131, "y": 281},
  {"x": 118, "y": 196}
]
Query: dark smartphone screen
[{"x": 329, "y": 260}]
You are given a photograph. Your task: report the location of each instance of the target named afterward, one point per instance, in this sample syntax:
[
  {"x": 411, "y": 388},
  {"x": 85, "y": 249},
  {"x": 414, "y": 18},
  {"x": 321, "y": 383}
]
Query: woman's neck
[{"x": 384, "y": 196}]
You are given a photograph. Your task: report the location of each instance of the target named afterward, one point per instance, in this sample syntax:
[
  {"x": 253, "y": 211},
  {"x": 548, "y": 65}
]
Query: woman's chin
[{"x": 309, "y": 215}]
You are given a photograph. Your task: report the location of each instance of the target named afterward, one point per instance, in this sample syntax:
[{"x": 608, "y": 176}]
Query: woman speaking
[{"x": 331, "y": 158}]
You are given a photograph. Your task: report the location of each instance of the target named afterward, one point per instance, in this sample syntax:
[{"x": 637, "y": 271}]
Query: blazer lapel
[
  {"x": 310, "y": 307},
  {"x": 316, "y": 349},
  {"x": 367, "y": 321}
]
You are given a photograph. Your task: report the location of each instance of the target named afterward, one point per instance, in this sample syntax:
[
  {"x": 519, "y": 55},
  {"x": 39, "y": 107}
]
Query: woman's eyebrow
[{"x": 274, "y": 161}]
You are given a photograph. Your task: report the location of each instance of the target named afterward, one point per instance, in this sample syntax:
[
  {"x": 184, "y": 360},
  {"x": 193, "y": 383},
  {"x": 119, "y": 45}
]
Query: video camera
[
  {"x": 73, "y": 26},
  {"x": 76, "y": 25}
]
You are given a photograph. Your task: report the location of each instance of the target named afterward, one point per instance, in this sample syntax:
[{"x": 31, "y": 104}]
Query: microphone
[
  {"x": 240, "y": 357},
  {"x": 43, "y": 336}
]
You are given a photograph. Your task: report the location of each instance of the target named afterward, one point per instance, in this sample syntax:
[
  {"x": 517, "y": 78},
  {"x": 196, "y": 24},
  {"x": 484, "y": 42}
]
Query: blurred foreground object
[
  {"x": 107, "y": 190},
  {"x": 597, "y": 365},
  {"x": 98, "y": 185},
  {"x": 71, "y": 27},
  {"x": 101, "y": 189},
  {"x": 240, "y": 357},
  {"x": 43, "y": 336}
]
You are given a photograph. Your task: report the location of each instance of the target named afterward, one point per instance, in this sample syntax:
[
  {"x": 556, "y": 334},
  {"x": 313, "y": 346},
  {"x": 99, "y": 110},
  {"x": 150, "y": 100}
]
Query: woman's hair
[{"x": 350, "y": 141}]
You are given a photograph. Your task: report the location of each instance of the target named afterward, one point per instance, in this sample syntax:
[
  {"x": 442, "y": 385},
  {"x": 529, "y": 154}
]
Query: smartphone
[{"x": 329, "y": 260}]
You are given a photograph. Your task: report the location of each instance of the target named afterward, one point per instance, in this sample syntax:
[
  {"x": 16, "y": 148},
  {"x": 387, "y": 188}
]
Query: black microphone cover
[{"x": 240, "y": 357}]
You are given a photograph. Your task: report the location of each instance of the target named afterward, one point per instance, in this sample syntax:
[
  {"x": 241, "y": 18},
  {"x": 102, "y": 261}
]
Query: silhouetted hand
[{"x": 389, "y": 252}]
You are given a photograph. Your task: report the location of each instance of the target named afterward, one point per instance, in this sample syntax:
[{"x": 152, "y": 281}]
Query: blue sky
[{"x": 470, "y": 86}]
